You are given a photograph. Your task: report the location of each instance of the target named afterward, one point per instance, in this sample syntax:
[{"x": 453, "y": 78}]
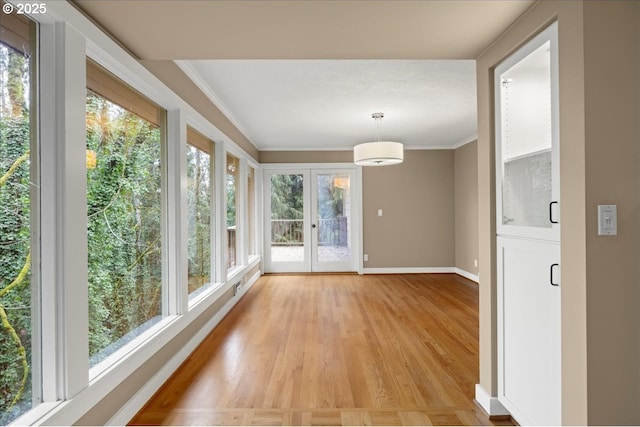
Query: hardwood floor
[{"x": 334, "y": 350}]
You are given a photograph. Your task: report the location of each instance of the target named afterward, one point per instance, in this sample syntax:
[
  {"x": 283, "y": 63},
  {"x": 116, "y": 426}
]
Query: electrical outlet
[{"x": 366, "y": 257}]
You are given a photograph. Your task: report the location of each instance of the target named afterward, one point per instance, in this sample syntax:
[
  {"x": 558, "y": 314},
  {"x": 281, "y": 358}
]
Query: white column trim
[
  {"x": 71, "y": 208},
  {"x": 175, "y": 232}
]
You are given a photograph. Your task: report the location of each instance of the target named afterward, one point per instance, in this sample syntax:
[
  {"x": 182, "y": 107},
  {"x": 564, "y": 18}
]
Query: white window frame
[
  {"x": 215, "y": 283},
  {"x": 41, "y": 287},
  {"x": 253, "y": 250},
  {"x": 230, "y": 274},
  {"x": 172, "y": 298},
  {"x": 69, "y": 387}
]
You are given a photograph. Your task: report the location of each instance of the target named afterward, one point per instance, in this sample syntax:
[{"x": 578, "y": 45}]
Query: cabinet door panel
[
  {"x": 527, "y": 138},
  {"x": 529, "y": 330}
]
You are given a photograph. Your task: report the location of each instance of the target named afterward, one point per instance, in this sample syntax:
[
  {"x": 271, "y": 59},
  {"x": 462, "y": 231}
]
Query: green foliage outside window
[
  {"x": 199, "y": 207},
  {"x": 124, "y": 204},
  {"x": 15, "y": 237},
  {"x": 287, "y": 209},
  {"x": 287, "y": 197}
]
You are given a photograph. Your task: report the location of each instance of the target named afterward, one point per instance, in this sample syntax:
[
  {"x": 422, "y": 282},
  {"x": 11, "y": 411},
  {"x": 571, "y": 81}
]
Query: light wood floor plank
[{"x": 334, "y": 350}]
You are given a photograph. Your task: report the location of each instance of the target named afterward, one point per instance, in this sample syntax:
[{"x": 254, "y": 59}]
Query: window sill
[
  {"x": 118, "y": 356},
  {"x": 212, "y": 293},
  {"x": 235, "y": 272},
  {"x": 33, "y": 416}
]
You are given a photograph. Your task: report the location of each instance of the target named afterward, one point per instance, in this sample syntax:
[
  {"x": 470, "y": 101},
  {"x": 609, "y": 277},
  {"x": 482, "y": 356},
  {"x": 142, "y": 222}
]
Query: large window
[
  {"x": 199, "y": 211},
  {"x": 91, "y": 270},
  {"x": 18, "y": 155},
  {"x": 233, "y": 175},
  {"x": 124, "y": 202}
]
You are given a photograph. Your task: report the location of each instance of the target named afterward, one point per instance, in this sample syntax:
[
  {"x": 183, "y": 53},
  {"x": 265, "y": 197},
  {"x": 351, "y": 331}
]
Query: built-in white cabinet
[
  {"x": 528, "y": 231},
  {"x": 529, "y": 322}
]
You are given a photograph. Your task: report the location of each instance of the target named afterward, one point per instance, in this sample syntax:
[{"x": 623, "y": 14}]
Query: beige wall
[
  {"x": 172, "y": 76},
  {"x": 598, "y": 48},
  {"x": 465, "y": 160},
  {"x": 306, "y": 157},
  {"x": 611, "y": 154},
  {"x": 416, "y": 228}
]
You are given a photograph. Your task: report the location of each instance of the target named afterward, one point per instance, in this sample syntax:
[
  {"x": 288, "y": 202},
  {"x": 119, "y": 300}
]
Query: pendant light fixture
[{"x": 378, "y": 153}]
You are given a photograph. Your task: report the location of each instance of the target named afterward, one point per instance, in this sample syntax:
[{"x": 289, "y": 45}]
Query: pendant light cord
[{"x": 377, "y": 117}]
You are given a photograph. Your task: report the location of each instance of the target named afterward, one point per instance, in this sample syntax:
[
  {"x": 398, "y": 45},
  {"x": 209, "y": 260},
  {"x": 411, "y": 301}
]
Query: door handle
[
  {"x": 551, "y": 212},
  {"x": 551, "y": 275},
  {"x": 313, "y": 226}
]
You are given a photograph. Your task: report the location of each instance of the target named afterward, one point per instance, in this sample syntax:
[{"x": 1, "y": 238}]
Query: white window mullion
[
  {"x": 242, "y": 237},
  {"x": 175, "y": 233},
  {"x": 259, "y": 207},
  {"x": 220, "y": 197},
  {"x": 49, "y": 317},
  {"x": 65, "y": 369},
  {"x": 213, "y": 224},
  {"x": 73, "y": 176}
]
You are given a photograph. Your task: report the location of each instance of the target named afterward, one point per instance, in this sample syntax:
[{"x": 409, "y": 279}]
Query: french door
[{"x": 310, "y": 220}]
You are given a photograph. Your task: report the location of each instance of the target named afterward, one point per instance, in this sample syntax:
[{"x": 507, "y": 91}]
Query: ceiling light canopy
[{"x": 378, "y": 153}]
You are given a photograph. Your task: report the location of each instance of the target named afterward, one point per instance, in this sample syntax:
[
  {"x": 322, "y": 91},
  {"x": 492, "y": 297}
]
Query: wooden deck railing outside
[{"x": 290, "y": 232}]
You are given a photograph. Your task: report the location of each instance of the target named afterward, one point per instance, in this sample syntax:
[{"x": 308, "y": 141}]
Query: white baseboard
[
  {"x": 128, "y": 411},
  {"x": 419, "y": 270},
  {"x": 466, "y": 274},
  {"x": 491, "y": 405},
  {"x": 408, "y": 270}
]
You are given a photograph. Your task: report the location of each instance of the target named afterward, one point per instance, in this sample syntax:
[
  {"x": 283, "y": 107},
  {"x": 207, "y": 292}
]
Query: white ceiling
[
  {"x": 308, "y": 74},
  {"x": 327, "y": 104}
]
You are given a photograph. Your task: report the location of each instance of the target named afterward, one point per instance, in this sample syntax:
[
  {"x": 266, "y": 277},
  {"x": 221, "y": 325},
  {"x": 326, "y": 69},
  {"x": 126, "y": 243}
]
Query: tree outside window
[
  {"x": 124, "y": 202},
  {"x": 199, "y": 212},
  {"x": 233, "y": 175},
  {"x": 17, "y": 188}
]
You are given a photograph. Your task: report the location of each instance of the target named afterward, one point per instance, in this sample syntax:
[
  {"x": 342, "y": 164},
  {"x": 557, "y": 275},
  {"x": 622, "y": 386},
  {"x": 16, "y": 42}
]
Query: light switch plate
[{"x": 607, "y": 220}]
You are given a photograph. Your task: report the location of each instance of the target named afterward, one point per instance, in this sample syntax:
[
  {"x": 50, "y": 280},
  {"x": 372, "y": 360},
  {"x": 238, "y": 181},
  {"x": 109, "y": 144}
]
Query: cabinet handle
[
  {"x": 551, "y": 212},
  {"x": 551, "y": 275}
]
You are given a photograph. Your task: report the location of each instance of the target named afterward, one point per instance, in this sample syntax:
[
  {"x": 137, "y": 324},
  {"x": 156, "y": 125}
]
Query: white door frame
[{"x": 306, "y": 169}]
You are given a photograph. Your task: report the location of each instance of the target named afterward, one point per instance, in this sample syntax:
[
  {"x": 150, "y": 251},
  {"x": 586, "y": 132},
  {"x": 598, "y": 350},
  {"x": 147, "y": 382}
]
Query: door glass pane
[
  {"x": 334, "y": 207},
  {"x": 18, "y": 216},
  {"x": 526, "y": 139},
  {"x": 287, "y": 218}
]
